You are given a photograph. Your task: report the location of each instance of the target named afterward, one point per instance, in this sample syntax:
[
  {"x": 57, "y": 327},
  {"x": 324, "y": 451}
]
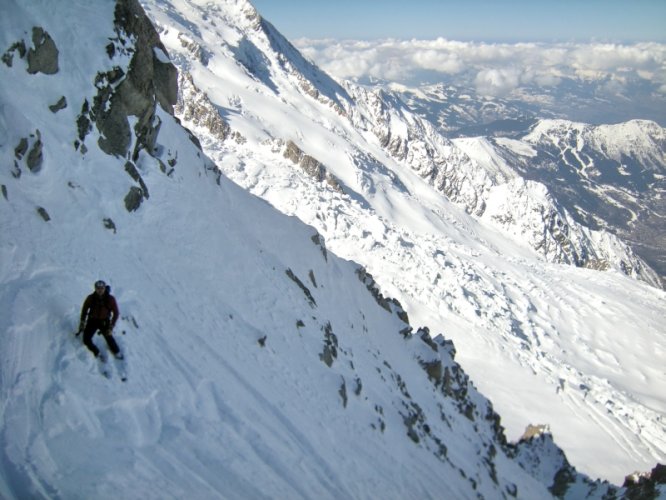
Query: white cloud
[
  {"x": 497, "y": 82},
  {"x": 443, "y": 62},
  {"x": 493, "y": 69}
]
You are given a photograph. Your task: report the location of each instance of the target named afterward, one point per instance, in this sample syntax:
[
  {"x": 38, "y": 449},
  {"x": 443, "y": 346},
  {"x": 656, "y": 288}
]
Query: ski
[
  {"x": 121, "y": 367},
  {"x": 104, "y": 368}
]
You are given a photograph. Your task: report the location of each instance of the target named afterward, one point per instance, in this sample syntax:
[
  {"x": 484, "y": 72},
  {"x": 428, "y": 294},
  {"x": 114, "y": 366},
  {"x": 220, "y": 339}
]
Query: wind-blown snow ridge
[{"x": 562, "y": 332}]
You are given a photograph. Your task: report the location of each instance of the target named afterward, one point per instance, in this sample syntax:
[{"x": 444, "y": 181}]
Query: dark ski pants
[{"x": 94, "y": 325}]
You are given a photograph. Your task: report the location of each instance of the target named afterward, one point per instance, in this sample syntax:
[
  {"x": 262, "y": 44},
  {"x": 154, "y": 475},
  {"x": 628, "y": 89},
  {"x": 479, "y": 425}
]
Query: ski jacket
[{"x": 100, "y": 308}]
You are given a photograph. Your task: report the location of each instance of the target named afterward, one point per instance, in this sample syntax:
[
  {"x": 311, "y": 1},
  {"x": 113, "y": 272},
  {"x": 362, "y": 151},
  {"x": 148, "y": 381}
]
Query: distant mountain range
[
  {"x": 607, "y": 177},
  {"x": 488, "y": 173}
]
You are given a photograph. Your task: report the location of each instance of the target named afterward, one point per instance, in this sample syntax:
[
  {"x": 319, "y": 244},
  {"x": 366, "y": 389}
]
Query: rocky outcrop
[
  {"x": 648, "y": 485},
  {"x": 43, "y": 214},
  {"x": 195, "y": 108},
  {"x": 149, "y": 80},
  {"x": 557, "y": 472},
  {"x": 29, "y": 153},
  {"x": 133, "y": 199},
  {"x": 151, "y": 75},
  {"x": 310, "y": 165},
  {"x": 43, "y": 57},
  {"x": 16, "y": 47},
  {"x": 330, "y": 351},
  {"x": 390, "y": 304},
  {"x": 61, "y": 104},
  {"x": 537, "y": 442},
  {"x": 130, "y": 90},
  {"x": 304, "y": 289}
]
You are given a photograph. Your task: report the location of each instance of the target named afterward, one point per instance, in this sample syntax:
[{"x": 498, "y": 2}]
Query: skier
[{"x": 100, "y": 313}]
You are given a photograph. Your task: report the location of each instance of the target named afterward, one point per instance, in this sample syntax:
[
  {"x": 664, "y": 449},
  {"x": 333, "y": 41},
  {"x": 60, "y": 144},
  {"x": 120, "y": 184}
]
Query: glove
[{"x": 82, "y": 325}]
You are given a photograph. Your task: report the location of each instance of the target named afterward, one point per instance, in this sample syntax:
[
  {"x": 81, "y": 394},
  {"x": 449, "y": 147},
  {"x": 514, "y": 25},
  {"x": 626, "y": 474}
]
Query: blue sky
[{"x": 470, "y": 20}]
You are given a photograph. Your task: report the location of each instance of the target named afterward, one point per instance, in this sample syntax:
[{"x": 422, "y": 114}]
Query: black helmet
[{"x": 100, "y": 284}]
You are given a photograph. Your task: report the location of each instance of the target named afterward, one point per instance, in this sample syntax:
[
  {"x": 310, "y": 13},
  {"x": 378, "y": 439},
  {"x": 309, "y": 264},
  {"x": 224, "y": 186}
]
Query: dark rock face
[
  {"x": 646, "y": 486},
  {"x": 43, "y": 214},
  {"x": 133, "y": 199},
  {"x": 8, "y": 56},
  {"x": 313, "y": 167},
  {"x": 34, "y": 158},
  {"x": 150, "y": 73},
  {"x": 195, "y": 106},
  {"x": 43, "y": 58},
  {"x": 132, "y": 91},
  {"x": 61, "y": 104},
  {"x": 150, "y": 80}
]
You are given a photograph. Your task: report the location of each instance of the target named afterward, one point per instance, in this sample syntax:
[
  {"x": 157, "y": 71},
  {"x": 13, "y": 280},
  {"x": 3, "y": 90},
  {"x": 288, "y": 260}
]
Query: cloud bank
[{"x": 492, "y": 69}]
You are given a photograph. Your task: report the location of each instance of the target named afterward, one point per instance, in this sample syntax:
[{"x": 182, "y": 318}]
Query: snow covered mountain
[
  {"x": 370, "y": 176},
  {"x": 470, "y": 173},
  {"x": 262, "y": 364},
  {"x": 606, "y": 177}
]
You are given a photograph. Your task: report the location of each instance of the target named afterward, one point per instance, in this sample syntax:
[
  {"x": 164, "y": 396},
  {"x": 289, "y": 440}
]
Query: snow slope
[
  {"x": 260, "y": 364},
  {"x": 575, "y": 348},
  {"x": 608, "y": 177}
]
